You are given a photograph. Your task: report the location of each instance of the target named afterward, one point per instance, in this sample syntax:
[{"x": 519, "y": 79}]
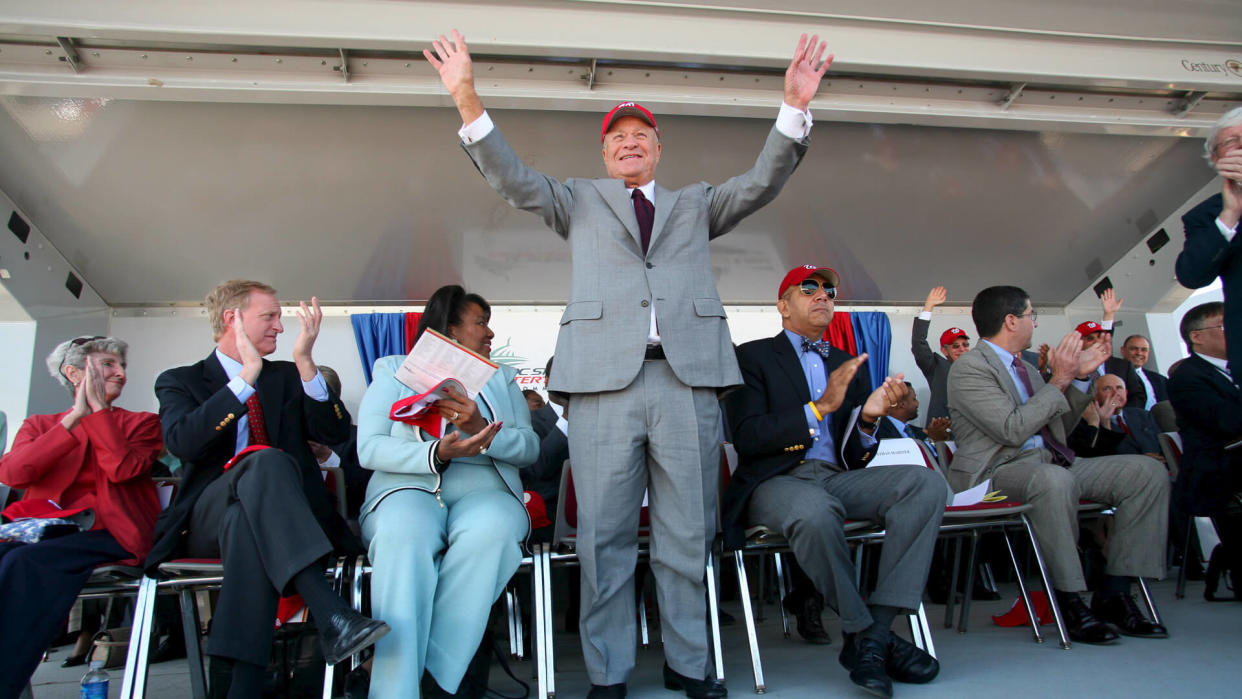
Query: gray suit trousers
[
  {"x": 662, "y": 436},
  {"x": 1137, "y": 486},
  {"x": 809, "y": 505}
]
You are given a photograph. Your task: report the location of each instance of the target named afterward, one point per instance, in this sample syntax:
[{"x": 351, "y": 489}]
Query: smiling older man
[{"x": 646, "y": 349}]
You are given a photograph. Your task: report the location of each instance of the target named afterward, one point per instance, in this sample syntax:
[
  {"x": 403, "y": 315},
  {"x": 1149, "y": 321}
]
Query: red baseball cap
[
  {"x": 1088, "y": 327},
  {"x": 627, "y": 109},
  {"x": 948, "y": 336},
  {"x": 798, "y": 274}
]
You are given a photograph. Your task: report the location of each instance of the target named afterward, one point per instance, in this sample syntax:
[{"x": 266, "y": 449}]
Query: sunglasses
[
  {"x": 77, "y": 342},
  {"x": 809, "y": 286}
]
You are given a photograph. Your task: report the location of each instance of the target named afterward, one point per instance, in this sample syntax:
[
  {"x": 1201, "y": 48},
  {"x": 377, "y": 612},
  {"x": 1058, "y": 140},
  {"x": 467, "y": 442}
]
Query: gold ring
[
  {"x": 455, "y": 414},
  {"x": 892, "y": 405}
]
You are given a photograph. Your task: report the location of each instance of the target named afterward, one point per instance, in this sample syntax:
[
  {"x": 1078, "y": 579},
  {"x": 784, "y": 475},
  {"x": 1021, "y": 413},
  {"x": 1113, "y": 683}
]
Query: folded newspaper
[{"x": 435, "y": 364}]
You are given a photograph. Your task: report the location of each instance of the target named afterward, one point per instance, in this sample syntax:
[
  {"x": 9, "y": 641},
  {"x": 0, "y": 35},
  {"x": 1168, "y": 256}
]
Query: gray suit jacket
[
  {"x": 990, "y": 423},
  {"x": 603, "y": 334}
]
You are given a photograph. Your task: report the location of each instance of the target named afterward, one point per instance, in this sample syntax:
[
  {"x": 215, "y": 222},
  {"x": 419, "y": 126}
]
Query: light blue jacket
[{"x": 401, "y": 454}]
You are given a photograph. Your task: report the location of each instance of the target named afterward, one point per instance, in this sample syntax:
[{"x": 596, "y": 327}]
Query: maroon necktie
[
  {"x": 1061, "y": 454},
  {"x": 645, "y": 211},
  {"x": 258, "y": 429}
]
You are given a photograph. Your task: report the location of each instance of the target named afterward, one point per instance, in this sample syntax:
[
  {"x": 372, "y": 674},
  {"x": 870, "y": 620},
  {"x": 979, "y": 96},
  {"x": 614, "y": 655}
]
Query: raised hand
[
  {"x": 1044, "y": 352},
  {"x": 883, "y": 399},
  {"x": 80, "y": 407},
  {"x": 935, "y": 297},
  {"x": 252, "y": 361},
  {"x": 454, "y": 445},
  {"x": 462, "y": 411},
  {"x": 93, "y": 383},
  {"x": 452, "y": 61},
  {"x": 311, "y": 319},
  {"x": 1109, "y": 408},
  {"x": 1229, "y": 167},
  {"x": 838, "y": 382},
  {"x": 805, "y": 71},
  {"x": 1091, "y": 414},
  {"x": 1063, "y": 360},
  {"x": 1110, "y": 303},
  {"x": 1092, "y": 357}
]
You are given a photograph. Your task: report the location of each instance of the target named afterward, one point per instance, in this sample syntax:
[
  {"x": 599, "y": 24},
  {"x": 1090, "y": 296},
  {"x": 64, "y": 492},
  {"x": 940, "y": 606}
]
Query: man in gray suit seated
[
  {"x": 1011, "y": 427},
  {"x": 648, "y": 348}
]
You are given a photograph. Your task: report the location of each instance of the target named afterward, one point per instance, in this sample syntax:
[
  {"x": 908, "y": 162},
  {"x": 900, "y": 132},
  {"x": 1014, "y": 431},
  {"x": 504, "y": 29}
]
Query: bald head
[{"x": 1110, "y": 385}]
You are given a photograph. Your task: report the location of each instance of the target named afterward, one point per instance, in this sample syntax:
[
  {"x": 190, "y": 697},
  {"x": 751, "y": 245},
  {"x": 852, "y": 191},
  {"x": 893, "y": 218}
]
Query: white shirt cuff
[
  {"x": 1083, "y": 386},
  {"x": 241, "y": 389},
  {"x": 1226, "y": 231},
  {"x": 1106, "y": 325},
  {"x": 316, "y": 389},
  {"x": 476, "y": 129},
  {"x": 794, "y": 123},
  {"x": 925, "y": 315},
  {"x": 333, "y": 460}
]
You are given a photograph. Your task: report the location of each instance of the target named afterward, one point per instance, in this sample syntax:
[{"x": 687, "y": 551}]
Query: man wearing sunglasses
[{"x": 804, "y": 427}]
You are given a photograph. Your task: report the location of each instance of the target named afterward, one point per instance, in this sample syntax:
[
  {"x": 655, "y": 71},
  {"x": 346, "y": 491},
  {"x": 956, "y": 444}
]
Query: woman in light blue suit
[{"x": 443, "y": 518}]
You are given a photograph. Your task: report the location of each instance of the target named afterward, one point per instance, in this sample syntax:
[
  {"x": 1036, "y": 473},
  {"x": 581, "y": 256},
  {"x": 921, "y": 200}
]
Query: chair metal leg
[
  {"x": 643, "y": 637},
  {"x": 549, "y": 655},
  {"x": 134, "y": 683},
  {"x": 756, "y": 665},
  {"x": 1043, "y": 574},
  {"x": 340, "y": 572},
  {"x": 511, "y": 615},
  {"x": 1181, "y": 572},
  {"x": 1151, "y": 603},
  {"x": 713, "y": 612},
  {"x": 781, "y": 590},
  {"x": 950, "y": 598},
  {"x": 1022, "y": 591},
  {"x": 193, "y": 646},
  {"x": 969, "y": 586},
  {"x": 920, "y": 631},
  {"x": 537, "y": 619}
]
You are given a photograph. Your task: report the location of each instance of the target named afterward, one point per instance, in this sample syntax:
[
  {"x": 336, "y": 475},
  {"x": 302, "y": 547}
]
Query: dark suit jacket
[
  {"x": 1159, "y": 384},
  {"x": 887, "y": 430},
  {"x": 769, "y": 425},
  {"x": 1209, "y": 416},
  {"x": 1143, "y": 436},
  {"x": 544, "y": 475},
  {"x": 199, "y": 417},
  {"x": 1207, "y": 256},
  {"x": 1136, "y": 393},
  {"x": 935, "y": 366}
]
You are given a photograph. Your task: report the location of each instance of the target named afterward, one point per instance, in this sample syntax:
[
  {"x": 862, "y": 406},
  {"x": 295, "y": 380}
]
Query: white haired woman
[{"x": 91, "y": 463}]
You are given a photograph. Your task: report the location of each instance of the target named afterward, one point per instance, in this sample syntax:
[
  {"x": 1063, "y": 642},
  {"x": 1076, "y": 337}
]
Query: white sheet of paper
[
  {"x": 897, "y": 452},
  {"x": 972, "y": 496},
  {"x": 435, "y": 358}
]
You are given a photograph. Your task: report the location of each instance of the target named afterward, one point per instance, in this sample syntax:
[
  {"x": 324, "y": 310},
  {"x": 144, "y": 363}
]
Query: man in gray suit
[
  {"x": 648, "y": 349},
  {"x": 1011, "y": 427}
]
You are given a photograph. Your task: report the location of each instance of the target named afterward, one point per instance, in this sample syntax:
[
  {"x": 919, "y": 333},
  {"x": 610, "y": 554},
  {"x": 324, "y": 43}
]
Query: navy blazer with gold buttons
[{"x": 768, "y": 423}]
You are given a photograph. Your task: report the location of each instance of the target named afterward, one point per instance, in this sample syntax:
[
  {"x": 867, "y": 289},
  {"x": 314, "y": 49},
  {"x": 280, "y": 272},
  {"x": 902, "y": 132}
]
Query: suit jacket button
[
  {"x": 231, "y": 416},
  {"x": 645, "y": 304},
  {"x": 219, "y": 428},
  {"x": 867, "y": 455},
  {"x": 650, "y": 266}
]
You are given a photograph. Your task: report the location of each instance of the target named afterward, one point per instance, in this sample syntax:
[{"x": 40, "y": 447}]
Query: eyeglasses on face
[
  {"x": 1209, "y": 327},
  {"x": 1034, "y": 315},
  {"x": 809, "y": 286}
]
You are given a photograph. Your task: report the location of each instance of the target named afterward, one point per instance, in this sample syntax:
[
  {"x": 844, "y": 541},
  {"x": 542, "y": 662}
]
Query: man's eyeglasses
[
  {"x": 77, "y": 342},
  {"x": 809, "y": 286},
  {"x": 1034, "y": 314},
  {"x": 1209, "y": 327}
]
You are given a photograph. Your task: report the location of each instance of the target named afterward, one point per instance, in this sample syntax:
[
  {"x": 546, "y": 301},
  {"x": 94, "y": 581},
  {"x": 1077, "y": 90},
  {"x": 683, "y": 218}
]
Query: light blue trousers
[{"x": 435, "y": 573}]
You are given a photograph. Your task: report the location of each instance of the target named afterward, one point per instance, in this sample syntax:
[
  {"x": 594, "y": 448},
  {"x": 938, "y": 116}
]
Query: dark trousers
[
  {"x": 38, "y": 584},
  {"x": 256, "y": 519}
]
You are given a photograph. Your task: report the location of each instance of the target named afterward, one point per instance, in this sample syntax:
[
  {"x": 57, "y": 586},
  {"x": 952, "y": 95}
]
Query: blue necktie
[{"x": 821, "y": 347}]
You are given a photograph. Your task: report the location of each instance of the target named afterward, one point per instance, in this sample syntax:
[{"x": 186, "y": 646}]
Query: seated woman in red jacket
[{"x": 91, "y": 463}]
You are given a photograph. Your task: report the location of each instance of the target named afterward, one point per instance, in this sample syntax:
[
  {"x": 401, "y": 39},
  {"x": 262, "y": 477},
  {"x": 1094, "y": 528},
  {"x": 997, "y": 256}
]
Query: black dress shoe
[
  {"x": 808, "y": 611},
  {"x": 709, "y": 688},
  {"x": 74, "y": 660},
  {"x": 346, "y": 632},
  {"x": 607, "y": 691},
  {"x": 1124, "y": 615},
  {"x": 908, "y": 663},
  {"x": 170, "y": 647},
  {"x": 1082, "y": 625},
  {"x": 867, "y": 660}
]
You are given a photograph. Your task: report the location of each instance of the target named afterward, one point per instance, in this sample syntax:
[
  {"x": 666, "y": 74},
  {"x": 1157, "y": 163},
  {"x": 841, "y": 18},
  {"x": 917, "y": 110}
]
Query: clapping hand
[
  {"x": 838, "y": 382},
  {"x": 938, "y": 429},
  {"x": 310, "y": 319},
  {"x": 252, "y": 361},
  {"x": 883, "y": 399}
]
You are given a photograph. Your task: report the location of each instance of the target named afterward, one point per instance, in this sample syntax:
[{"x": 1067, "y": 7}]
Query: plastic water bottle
[{"x": 95, "y": 682}]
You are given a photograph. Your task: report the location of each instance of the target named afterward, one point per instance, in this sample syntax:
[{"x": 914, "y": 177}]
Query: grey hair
[
  {"x": 69, "y": 354},
  {"x": 1233, "y": 117}
]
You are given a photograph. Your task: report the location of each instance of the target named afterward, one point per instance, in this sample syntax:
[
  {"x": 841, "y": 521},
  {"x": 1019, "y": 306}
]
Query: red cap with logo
[
  {"x": 798, "y": 274},
  {"x": 628, "y": 109},
  {"x": 1088, "y": 327},
  {"x": 948, "y": 336}
]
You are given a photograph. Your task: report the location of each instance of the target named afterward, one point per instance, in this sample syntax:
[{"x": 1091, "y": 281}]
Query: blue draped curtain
[
  {"x": 378, "y": 335},
  {"x": 874, "y": 335}
]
